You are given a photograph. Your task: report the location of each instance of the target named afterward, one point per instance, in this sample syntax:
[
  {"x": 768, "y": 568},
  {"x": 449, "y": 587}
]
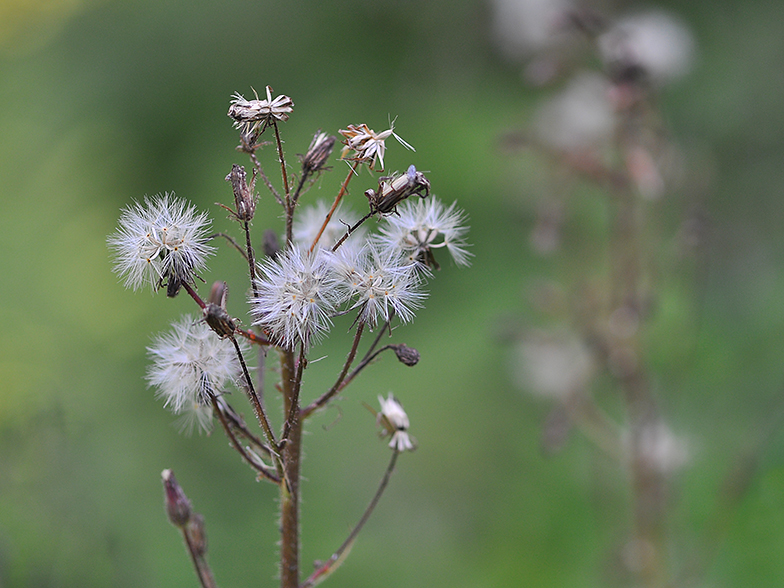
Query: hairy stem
[{"x": 289, "y": 491}]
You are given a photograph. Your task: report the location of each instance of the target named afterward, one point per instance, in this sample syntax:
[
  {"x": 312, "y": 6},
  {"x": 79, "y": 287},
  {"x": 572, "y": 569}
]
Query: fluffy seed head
[
  {"x": 190, "y": 363},
  {"x": 297, "y": 295},
  {"x": 422, "y": 226},
  {"x": 161, "y": 241}
]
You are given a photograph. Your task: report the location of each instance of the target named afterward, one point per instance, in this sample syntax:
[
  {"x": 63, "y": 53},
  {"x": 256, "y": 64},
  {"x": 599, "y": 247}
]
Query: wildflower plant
[{"x": 324, "y": 267}]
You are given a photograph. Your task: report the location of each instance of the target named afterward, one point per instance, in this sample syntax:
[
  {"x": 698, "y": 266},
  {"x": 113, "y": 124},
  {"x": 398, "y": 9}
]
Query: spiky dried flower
[
  {"x": 368, "y": 146},
  {"x": 253, "y": 116},
  {"x": 163, "y": 241},
  {"x": 395, "y": 422}
]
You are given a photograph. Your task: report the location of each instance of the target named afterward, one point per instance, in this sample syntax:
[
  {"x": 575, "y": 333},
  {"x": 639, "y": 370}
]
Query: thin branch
[
  {"x": 327, "y": 396},
  {"x": 231, "y": 241},
  {"x": 337, "y": 558},
  {"x": 218, "y": 409},
  {"x": 352, "y": 172}
]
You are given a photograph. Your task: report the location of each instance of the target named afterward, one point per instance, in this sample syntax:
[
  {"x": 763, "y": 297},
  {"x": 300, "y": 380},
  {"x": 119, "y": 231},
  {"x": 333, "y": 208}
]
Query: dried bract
[
  {"x": 319, "y": 151},
  {"x": 215, "y": 314},
  {"x": 244, "y": 196}
]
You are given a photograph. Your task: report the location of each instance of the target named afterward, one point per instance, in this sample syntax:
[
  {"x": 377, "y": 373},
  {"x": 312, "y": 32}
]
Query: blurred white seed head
[
  {"x": 395, "y": 422},
  {"x": 380, "y": 284},
  {"x": 659, "y": 449},
  {"x": 579, "y": 117},
  {"x": 422, "y": 226},
  {"x": 524, "y": 27},
  {"x": 297, "y": 296},
  {"x": 552, "y": 364},
  {"x": 163, "y": 240},
  {"x": 189, "y": 364},
  {"x": 655, "y": 43},
  {"x": 309, "y": 220}
]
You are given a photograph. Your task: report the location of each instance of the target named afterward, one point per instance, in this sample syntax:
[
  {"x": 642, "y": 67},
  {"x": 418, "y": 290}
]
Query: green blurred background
[{"x": 102, "y": 102}]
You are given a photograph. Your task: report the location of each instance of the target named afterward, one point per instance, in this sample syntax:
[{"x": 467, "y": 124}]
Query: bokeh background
[{"x": 104, "y": 101}]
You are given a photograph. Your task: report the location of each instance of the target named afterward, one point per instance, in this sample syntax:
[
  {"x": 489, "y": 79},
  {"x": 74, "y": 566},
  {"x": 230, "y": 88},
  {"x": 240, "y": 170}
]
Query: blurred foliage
[{"x": 104, "y": 102}]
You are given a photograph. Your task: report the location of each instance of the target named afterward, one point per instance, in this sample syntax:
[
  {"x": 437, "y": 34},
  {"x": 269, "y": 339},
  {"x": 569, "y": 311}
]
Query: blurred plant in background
[
  {"x": 326, "y": 267},
  {"x": 600, "y": 131}
]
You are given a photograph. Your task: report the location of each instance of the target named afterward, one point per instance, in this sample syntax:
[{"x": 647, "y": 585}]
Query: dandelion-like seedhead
[
  {"x": 297, "y": 296},
  {"x": 381, "y": 284},
  {"x": 395, "y": 422},
  {"x": 190, "y": 363},
  {"x": 422, "y": 226},
  {"x": 163, "y": 240}
]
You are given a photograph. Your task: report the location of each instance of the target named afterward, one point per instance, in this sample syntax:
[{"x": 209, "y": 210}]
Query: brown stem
[
  {"x": 258, "y": 409},
  {"x": 351, "y": 230},
  {"x": 203, "y": 571},
  {"x": 231, "y": 241},
  {"x": 289, "y": 491},
  {"x": 338, "y": 198},
  {"x": 193, "y": 294}
]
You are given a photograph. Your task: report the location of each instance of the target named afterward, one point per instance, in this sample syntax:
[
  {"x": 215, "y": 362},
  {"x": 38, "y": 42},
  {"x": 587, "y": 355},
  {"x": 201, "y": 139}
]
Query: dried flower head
[
  {"x": 244, "y": 195},
  {"x": 368, "y": 146},
  {"x": 422, "y": 226},
  {"x": 189, "y": 365},
  {"x": 163, "y": 241},
  {"x": 297, "y": 295},
  {"x": 395, "y": 422},
  {"x": 256, "y": 115},
  {"x": 318, "y": 152}
]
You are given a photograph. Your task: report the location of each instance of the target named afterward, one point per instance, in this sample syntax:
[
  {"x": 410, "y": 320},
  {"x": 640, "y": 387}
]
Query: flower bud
[
  {"x": 178, "y": 507},
  {"x": 406, "y": 355}
]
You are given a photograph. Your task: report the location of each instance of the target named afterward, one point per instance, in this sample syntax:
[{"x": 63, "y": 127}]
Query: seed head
[
  {"x": 163, "y": 241},
  {"x": 422, "y": 226},
  {"x": 297, "y": 295},
  {"x": 319, "y": 151},
  {"x": 189, "y": 365}
]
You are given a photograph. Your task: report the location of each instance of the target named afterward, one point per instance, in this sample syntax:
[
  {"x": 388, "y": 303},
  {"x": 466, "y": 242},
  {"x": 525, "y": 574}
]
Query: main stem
[{"x": 289, "y": 489}]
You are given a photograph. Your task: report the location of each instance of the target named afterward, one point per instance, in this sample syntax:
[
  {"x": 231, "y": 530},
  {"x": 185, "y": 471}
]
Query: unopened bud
[
  {"x": 244, "y": 197},
  {"x": 173, "y": 286},
  {"x": 406, "y": 355},
  {"x": 318, "y": 152},
  {"x": 393, "y": 190},
  {"x": 215, "y": 314},
  {"x": 178, "y": 507}
]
